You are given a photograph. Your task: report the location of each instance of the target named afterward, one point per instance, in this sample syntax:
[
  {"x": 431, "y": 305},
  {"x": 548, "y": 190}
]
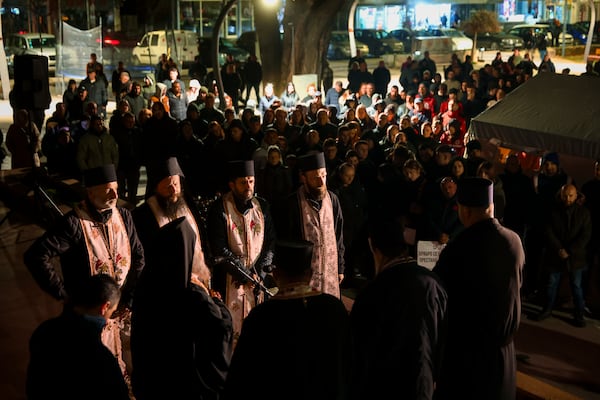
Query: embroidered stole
[
  {"x": 318, "y": 227},
  {"x": 245, "y": 235},
  {"x": 109, "y": 255}
]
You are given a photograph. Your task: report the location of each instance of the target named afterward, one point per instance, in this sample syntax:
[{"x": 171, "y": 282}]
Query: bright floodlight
[{"x": 270, "y": 3}]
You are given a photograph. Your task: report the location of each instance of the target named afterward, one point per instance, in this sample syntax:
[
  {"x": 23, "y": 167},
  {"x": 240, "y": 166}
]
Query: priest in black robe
[
  {"x": 181, "y": 334},
  {"x": 481, "y": 271},
  {"x": 296, "y": 345},
  {"x": 398, "y": 321}
]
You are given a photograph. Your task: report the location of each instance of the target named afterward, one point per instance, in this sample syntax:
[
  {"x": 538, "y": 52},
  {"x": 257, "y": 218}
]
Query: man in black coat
[
  {"x": 299, "y": 341},
  {"x": 568, "y": 231},
  {"x": 96, "y": 237},
  {"x": 67, "y": 357},
  {"x": 181, "y": 332},
  {"x": 481, "y": 271},
  {"x": 398, "y": 321}
]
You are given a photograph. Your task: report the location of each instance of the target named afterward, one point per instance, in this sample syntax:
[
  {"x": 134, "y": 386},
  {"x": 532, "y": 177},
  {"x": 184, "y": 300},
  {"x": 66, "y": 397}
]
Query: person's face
[
  {"x": 128, "y": 121},
  {"x": 412, "y": 174},
  {"x": 568, "y": 195},
  {"x": 98, "y": 125},
  {"x": 274, "y": 158},
  {"x": 104, "y": 196},
  {"x": 443, "y": 158},
  {"x": 236, "y": 134},
  {"x": 290, "y": 88},
  {"x": 394, "y": 91},
  {"x": 172, "y": 75},
  {"x": 347, "y": 176},
  {"x": 426, "y": 131},
  {"x": 271, "y": 138},
  {"x": 169, "y": 188},
  {"x": 362, "y": 151},
  {"x": 268, "y": 90},
  {"x": 422, "y": 90},
  {"x": 316, "y": 182},
  {"x": 243, "y": 188},
  {"x": 370, "y": 89},
  {"x": 330, "y": 152},
  {"x": 353, "y": 160},
  {"x": 458, "y": 169},
  {"x": 176, "y": 88},
  {"x": 550, "y": 168},
  {"x": 448, "y": 187},
  {"x": 137, "y": 89}
]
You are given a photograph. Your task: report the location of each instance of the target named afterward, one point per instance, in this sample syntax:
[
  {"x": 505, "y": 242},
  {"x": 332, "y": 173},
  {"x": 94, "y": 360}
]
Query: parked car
[
  {"x": 379, "y": 42},
  {"x": 225, "y": 47},
  {"x": 580, "y": 30},
  {"x": 39, "y": 44},
  {"x": 525, "y": 31},
  {"x": 339, "y": 46},
  {"x": 182, "y": 44},
  {"x": 405, "y": 36},
  {"x": 498, "y": 41},
  {"x": 460, "y": 41}
]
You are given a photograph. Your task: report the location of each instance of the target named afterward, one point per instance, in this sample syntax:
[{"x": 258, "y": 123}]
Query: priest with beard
[
  {"x": 313, "y": 213},
  {"x": 166, "y": 204},
  {"x": 241, "y": 230}
]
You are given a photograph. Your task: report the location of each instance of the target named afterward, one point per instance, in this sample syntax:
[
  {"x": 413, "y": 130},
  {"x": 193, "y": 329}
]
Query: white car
[
  {"x": 39, "y": 44},
  {"x": 460, "y": 41}
]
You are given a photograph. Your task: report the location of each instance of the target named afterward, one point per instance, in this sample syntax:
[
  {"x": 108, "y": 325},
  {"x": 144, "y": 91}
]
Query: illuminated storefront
[{"x": 200, "y": 16}]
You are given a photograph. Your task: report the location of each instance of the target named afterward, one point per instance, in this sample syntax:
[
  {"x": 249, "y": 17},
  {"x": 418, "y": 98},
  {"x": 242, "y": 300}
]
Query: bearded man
[
  {"x": 167, "y": 204},
  {"x": 96, "y": 237},
  {"x": 240, "y": 228},
  {"x": 313, "y": 213}
]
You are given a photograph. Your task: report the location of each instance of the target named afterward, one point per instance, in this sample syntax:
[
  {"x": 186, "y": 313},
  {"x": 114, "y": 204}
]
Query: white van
[
  {"x": 181, "y": 45},
  {"x": 38, "y": 44}
]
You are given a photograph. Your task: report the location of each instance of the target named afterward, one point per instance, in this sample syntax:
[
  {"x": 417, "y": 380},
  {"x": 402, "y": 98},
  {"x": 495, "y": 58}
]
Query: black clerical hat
[
  {"x": 293, "y": 256},
  {"x": 166, "y": 168},
  {"x": 99, "y": 175},
  {"x": 310, "y": 162},
  {"x": 475, "y": 192},
  {"x": 240, "y": 168}
]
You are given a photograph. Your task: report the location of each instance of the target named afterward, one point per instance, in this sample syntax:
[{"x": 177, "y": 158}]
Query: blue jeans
[{"x": 575, "y": 283}]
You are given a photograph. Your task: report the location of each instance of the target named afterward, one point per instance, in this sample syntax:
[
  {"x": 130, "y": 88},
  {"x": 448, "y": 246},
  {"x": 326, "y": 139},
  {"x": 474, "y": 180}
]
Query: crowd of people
[{"x": 231, "y": 266}]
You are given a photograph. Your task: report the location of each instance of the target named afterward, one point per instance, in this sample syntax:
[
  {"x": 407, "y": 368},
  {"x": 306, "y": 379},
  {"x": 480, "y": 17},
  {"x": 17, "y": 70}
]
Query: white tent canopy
[{"x": 550, "y": 112}]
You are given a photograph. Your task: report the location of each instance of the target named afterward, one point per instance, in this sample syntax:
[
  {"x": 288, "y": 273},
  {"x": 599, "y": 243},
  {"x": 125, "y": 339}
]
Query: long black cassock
[{"x": 481, "y": 270}]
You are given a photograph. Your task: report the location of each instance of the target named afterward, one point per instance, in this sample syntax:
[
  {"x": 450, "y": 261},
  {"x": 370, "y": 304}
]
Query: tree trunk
[{"x": 312, "y": 21}]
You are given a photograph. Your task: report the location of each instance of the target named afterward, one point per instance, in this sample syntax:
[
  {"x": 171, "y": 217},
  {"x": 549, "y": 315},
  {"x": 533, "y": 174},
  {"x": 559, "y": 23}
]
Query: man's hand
[
  {"x": 562, "y": 253},
  {"x": 340, "y": 278}
]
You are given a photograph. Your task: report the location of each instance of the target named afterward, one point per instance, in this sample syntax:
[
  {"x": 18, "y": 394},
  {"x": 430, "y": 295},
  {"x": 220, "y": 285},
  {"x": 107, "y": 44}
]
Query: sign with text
[{"x": 428, "y": 253}]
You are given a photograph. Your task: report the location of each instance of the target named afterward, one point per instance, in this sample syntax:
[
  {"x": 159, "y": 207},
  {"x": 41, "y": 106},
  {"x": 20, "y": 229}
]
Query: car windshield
[
  {"x": 381, "y": 35},
  {"x": 452, "y": 33},
  {"x": 46, "y": 42}
]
